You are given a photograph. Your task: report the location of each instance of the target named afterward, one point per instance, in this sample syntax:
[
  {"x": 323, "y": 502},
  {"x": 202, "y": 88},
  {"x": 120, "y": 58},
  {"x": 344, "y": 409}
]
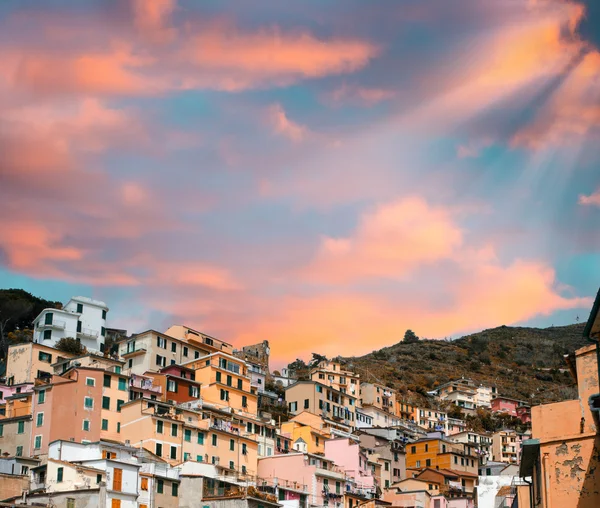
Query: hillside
[{"x": 525, "y": 363}]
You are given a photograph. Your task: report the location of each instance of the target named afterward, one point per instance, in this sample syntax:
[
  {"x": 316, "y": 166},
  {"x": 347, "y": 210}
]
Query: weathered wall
[
  {"x": 95, "y": 498},
  {"x": 572, "y": 473},
  {"x": 12, "y": 485}
]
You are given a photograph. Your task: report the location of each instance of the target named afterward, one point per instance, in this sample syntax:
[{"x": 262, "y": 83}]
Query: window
[
  {"x": 159, "y": 449},
  {"x": 45, "y": 357},
  {"x": 231, "y": 444},
  {"x": 161, "y": 342},
  {"x": 90, "y": 381},
  {"x": 244, "y": 401},
  {"x": 39, "y": 420},
  {"x": 418, "y": 463},
  {"x": 224, "y": 395},
  {"x": 319, "y": 389},
  {"x": 218, "y": 377},
  {"x": 160, "y": 486},
  {"x": 293, "y": 406},
  {"x": 174, "y": 347},
  {"x": 215, "y": 440},
  {"x": 172, "y": 386},
  {"x": 79, "y": 326},
  {"x": 106, "y": 403},
  {"x": 456, "y": 460},
  {"x": 70, "y": 502},
  {"x": 86, "y": 425},
  {"x": 59, "y": 474},
  {"x": 173, "y": 452},
  {"x": 21, "y": 428},
  {"x": 174, "y": 489},
  {"x": 37, "y": 443},
  {"x": 122, "y": 384},
  {"x": 387, "y": 466},
  {"x": 79, "y": 308},
  {"x": 187, "y": 435},
  {"x": 161, "y": 361},
  {"x": 19, "y": 452},
  {"x": 200, "y": 438},
  {"x": 428, "y": 463},
  {"x": 231, "y": 464},
  {"x": 243, "y": 469},
  {"x": 88, "y": 403},
  {"x": 47, "y": 334},
  {"x": 174, "y": 430},
  {"x": 413, "y": 449},
  {"x": 130, "y": 363},
  {"x": 24, "y": 470},
  {"x": 1, "y": 429},
  {"x": 229, "y": 380},
  {"x": 196, "y": 354},
  {"x": 41, "y": 396},
  {"x": 103, "y": 331},
  {"x": 119, "y": 427},
  {"x": 117, "y": 479},
  {"x": 119, "y": 404},
  {"x": 426, "y": 447},
  {"x": 193, "y": 391},
  {"x": 244, "y": 449},
  {"x": 104, "y": 424},
  {"x": 118, "y": 369}
]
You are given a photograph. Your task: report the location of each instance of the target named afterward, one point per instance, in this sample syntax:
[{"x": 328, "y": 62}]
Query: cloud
[
  {"x": 389, "y": 242},
  {"x": 152, "y": 18},
  {"x": 591, "y": 199},
  {"x": 283, "y": 125}
]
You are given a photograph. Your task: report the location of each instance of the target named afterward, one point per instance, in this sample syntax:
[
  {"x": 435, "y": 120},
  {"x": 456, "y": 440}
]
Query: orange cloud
[
  {"x": 389, "y": 242},
  {"x": 283, "y": 125},
  {"x": 152, "y": 18},
  {"x": 592, "y": 199}
]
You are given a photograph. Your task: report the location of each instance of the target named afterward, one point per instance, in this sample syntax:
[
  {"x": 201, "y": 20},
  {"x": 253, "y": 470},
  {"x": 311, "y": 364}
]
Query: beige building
[
  {"x": 14, "y": 434},
  {"x": 505, "y": 446},
  {"x": 320, "y": 399},
  {"x": 334, "y": 375},
  {"x": 378, "y": 396},
  {"x": 30, "y": 361}
]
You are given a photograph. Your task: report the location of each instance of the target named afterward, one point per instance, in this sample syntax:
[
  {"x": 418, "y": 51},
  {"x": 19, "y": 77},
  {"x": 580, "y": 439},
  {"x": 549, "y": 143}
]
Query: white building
[
  {"x": 431, "y": 419},
  {"x": 485, "y": 395},
  {"x": 75, "y": 466},
  {"x": 81, "y": 318},
  {"x": 380, "y": 417},
  {"x": 363, "y": 420}
]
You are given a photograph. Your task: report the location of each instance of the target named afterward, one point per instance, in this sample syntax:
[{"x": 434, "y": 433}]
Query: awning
[{"x": 530, "y": 455}]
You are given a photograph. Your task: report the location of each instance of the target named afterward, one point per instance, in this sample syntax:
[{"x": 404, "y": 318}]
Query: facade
[
  {"x": 506, "y": 405},
  {"x": 431, "y": 419},
  {"x": 319, "y": 399},
  {"x": 81, "y": 318},
  {"x": 15, "y": 427},
  {"x": 351, "y": 457},
  {"x": 30, "y": 361},
  {"x": 405, "y": 410},
  {"x": 390, "y": 453},
  {"x": 313, "y": 438},
  {"x": 151, "y": 351},
  {"x": 333, "y": 374},
  {"x": 505, "y": 447},
  {"x": 455, "y": 426},
  {"x": 462, "y": 392},
  {"x": 199, "y": 339},
  {"x": 363, "y": 420},
  {"x": 481, "y": 443},
  {"x": 257, "y": 355},
  {"x": 485, "y": 395},
  {"x": 379, "y": 417},
  {"x": 378, "y": 396},
  {"x": 561, "y": 460},
  {"x": 177, "y": 383}
]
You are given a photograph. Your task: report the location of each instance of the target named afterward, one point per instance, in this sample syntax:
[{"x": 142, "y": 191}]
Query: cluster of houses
[{"x": 182, "y": 419}]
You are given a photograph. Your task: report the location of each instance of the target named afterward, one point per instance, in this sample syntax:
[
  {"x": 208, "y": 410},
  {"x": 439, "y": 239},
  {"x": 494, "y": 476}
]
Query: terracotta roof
[{"x": 504, "y": 491}]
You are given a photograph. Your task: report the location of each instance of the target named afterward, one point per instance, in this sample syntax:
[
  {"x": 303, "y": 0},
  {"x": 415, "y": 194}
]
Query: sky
[{"x": 321, "y": 174}]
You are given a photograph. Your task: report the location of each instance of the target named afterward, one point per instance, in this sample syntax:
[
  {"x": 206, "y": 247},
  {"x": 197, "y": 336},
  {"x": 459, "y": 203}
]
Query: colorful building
[{"x": 30, "y": 361}]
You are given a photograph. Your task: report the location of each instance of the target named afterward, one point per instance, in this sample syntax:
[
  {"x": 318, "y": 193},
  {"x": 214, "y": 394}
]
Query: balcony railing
[
  {"x": 56, "y": 324},
  {"x": 87, "y": 333},
  {"x": 144, "y": 384}
]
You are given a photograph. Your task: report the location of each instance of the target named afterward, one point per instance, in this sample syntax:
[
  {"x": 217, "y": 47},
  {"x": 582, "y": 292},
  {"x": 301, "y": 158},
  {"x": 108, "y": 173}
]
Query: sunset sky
[{"x": 321, "y": 174}]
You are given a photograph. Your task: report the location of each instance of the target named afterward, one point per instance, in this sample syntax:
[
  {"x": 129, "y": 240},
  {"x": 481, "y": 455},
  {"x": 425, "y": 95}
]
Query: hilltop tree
[
  {"x": 70, "y": 345},
  {"x": 410, "y": 337}
]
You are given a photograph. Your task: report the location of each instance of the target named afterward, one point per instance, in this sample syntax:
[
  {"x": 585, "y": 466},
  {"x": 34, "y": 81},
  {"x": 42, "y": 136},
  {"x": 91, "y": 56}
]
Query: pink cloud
[
  {"x": 389, "y": 242},
  {"x": 282, "y": 124},
  {"x": 591, "y": 199}
]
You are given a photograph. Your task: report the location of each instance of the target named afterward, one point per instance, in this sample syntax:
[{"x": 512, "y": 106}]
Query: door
[
  {"x": 116, "y": 503},
  {"x": 117, "y": 480}
]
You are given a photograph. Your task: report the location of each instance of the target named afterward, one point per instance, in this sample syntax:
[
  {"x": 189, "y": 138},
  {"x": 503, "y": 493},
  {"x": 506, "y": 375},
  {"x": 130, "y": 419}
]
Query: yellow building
[
  {"x": 334, "y": 375},
  {"x": 313, "y": 438},
  {"x": 225, "y": 382},
  {"x": 31, "y": 361}
]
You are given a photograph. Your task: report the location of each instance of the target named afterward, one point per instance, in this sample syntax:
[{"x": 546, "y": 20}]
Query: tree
[
  {"x": 70, "y": 345},
  {"x": 410, "y": 337}
]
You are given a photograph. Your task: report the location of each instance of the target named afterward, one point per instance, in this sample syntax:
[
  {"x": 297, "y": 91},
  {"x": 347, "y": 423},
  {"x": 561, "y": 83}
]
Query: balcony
[
  {"x": 86, "y": 333},
  {"x": 134, "y": 352},
  {"x": 144, "y": 384},
  {"x": 56, "y": 324}
]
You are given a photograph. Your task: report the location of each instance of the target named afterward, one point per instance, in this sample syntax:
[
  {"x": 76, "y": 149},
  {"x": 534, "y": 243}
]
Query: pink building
[
  {"x": 524, "y": 414},
  {"x": 352, "y": 458},
  {"x": 303, "y": 476},
  {"x": 505, "y": 405}
]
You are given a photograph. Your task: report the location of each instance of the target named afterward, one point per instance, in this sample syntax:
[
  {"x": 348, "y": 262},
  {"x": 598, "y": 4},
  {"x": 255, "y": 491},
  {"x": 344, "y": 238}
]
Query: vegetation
[
  {"x": 18, "y": 309},
  {"x": 410, "y": 337},
  {"x": 524, "y": 363},
  {"x": 70, "y": 345}
]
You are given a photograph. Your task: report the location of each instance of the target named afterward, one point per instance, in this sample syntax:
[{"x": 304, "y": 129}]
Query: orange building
[
  {"x": 225, "y": 381},
  {"x": 82, "y": 405},
  {"x": 439, "y": 453}
]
